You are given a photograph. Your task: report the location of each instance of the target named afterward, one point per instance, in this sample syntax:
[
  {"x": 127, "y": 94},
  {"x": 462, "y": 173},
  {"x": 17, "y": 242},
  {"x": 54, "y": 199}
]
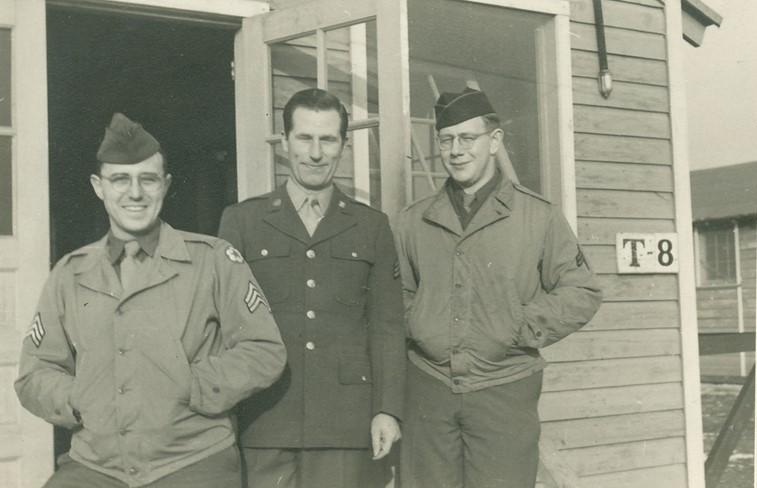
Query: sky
[{"x": 721, "y": 88}]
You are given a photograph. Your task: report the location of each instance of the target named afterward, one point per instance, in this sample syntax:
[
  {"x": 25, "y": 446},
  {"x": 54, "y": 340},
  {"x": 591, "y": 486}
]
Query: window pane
[
  {"x": 293, "y": 67},
  {"x": 718, "y": 255},
  {"x": 6, "y": 187},
  {"x": 5, "y": 77},
  {"x": 498, "y": 50}
]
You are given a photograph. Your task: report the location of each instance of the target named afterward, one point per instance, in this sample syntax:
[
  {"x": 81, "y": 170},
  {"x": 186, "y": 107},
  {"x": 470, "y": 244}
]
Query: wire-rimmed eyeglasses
[
  {"x": 148, "y": 182},
  {"x": 465, "y": 141}
]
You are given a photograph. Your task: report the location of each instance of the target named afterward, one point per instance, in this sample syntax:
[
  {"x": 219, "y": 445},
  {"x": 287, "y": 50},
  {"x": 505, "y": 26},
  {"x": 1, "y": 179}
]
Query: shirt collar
[
  {"x": 482, "y": 192},
  {"x": 298, "y": 195},
  {"x": 148, "y": 243}
]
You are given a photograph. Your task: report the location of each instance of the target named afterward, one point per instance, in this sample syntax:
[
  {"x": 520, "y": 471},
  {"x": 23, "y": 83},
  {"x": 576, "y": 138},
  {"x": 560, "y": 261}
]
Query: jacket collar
[
  {"x": 95, "y": 271},
  {"x": 497, "y": 207},
  {"x": 281, "y": 214}
]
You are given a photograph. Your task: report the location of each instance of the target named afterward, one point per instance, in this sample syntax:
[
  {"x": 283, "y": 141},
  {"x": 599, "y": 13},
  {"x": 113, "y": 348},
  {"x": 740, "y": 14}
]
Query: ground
[{"x": 717, "y": 400}]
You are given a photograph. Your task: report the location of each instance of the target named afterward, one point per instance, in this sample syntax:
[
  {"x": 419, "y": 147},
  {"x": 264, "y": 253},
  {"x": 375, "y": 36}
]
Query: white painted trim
[
  {"x": 254, "y": 117},
  {"x": 232, "y": 8},
  {"x": 555, "y": 7},
  {"x": 565, "y": 121},
  {"x": 29, "y": 82},
  {"x": 739, "y": 293},
  {"x": 394, "y": 87},
  {"x": 359, "y": 110},
  {"x": 686, "y": 278}
]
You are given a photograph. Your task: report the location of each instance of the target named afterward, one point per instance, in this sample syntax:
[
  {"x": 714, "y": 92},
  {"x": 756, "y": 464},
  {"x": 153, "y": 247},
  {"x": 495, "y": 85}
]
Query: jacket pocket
[{"x": 354, "y": 369}]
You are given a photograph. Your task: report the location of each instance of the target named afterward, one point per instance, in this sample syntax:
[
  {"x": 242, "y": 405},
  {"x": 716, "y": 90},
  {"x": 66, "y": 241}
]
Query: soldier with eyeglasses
[
  {"x": 145, "y": 340},
  {"x": 491, "y": 272}
]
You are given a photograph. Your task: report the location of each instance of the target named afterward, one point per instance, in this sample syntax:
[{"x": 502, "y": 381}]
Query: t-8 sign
[{"x": 646, "y": 253}]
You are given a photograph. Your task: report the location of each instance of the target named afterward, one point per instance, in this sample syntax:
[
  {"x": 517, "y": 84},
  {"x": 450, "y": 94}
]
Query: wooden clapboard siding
[
  {"x": 624, "y": 68},
  {"x": 655, "y": 477},
  {"x": 623, "y": 176},
  {"x": 623, "y": 288},
  {"x": 625, "y": 95},
  {"x": 625, "y": 15},
  {"x": 616, "y": 400},
  {"x": 660, "y": 314},
  {"x": 626, "y": 456},
  {"x": 604, "y": 120},
  {"x": 614, "y": 148},
  {"x": 620, "y": 41},
  {"x": 604, "y": 373},
  {"x": 625, "y": 204},
  {"x": 598, "y": 431},
  {"x": 601, "y": 259},
  {"x": 607, "y": 344},
  {"x": 603, "y": 230}
]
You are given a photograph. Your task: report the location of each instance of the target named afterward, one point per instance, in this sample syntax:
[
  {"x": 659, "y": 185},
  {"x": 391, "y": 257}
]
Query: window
[
  {"x": 6, "y": 173},
  {"x": 717, "y": 255},
  {"x": 511, "y": 55}
]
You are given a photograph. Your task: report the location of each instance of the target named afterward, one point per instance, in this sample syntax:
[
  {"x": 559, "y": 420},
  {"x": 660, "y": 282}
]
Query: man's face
[
  {"x": 470, "y": 166},
  {"x": 133, "y": 210},
  {"x": 314, "y": 147}
]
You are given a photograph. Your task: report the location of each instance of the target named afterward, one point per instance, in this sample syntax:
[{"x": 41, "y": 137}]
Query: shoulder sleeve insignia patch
[
  {"x": 253, "y": 298},
  {"x": 234, "y": 255},
  {"x": 396, "y": 269},
  {"x": 36, "y": 331}
]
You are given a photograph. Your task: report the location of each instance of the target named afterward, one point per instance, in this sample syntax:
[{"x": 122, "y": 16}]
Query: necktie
[
  {"x": 311, "y": 213},
  {"x": 129, "y": 264},
  {"x": 468, "y": 200}
]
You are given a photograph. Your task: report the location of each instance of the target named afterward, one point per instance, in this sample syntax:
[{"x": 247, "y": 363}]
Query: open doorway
[{"x": 175, "y": 79}]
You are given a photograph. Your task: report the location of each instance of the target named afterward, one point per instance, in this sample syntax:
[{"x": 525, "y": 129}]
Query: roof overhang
[{"x": 697, "y": 16}]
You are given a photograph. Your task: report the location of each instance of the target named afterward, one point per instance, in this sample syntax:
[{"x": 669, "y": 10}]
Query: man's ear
[
  {"x": 284, "y": 142},
  {"x": 97, "y": 185},
  {"x": 496, "y": 141},
  {"x": 169, "y": 180}
]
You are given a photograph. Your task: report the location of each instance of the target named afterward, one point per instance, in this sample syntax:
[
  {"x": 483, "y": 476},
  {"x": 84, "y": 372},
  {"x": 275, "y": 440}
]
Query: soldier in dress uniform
[
  {"x": 327, "y": 265},
  {"x": 145, "y": 340}
]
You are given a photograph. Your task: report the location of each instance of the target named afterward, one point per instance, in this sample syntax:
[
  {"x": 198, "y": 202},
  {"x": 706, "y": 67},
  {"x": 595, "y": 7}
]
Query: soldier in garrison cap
[
  {"x": 491, "y": 272},
  {"x": 145, "y": 340},
  {"x": 328, "y": 265}
]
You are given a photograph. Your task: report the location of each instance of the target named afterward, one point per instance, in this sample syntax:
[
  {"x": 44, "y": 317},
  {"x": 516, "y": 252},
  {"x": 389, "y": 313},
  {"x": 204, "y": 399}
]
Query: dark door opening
[{"x": 172, "y": 77}]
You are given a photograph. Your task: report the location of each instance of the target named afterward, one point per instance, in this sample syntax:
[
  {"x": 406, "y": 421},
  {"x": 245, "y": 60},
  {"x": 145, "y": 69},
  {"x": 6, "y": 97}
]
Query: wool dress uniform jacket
[
  {"x": 338, "y": 301},
  {"x": 155, "y": 370}
]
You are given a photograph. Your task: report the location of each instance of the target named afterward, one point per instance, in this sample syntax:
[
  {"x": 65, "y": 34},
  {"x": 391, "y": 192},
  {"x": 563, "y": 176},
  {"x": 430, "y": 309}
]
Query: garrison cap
[
  {"x": 126, "y": 142},
  {"x": 453, "y": 108}
]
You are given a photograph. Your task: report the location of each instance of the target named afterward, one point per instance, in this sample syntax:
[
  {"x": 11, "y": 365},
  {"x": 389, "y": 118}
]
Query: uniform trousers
[
  {"x": 314, "y": 468},
  {"x": 221, "y": 470},
  {"x": 482, "y": 439}
]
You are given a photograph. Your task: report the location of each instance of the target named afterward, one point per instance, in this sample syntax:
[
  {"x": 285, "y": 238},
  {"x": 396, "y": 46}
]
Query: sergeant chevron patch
[
  {"x": 253, "y": 298},
  {"x": 36, "y": 331}
]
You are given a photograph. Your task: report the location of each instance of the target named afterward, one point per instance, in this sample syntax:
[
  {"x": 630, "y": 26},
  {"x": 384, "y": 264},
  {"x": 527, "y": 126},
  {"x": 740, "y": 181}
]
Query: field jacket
[
  {"x": 146, "y": 378},
  {"x": 481, "y": 301}
]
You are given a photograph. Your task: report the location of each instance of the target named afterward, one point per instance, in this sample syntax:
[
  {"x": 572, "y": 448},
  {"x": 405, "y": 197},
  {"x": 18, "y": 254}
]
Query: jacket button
[
  {"x": 310, "y": 314},
  {"x": 309, "y": 346},
  {"x": 458, "y": 253},
  {"x": 264, "y": 252},
  {"x": 121, "y": 391},
  {"x": 538, "y": 334},
  {"x": 354, "y": 254},
  {"x": 457, "y": 382},
  {"x": 310, "y": 254},
  {"x": 124, "y": 432},
  {"x": 133, "y": 471},
  {"x": 216, "y": 389},
  {"x": 311, "y": 283},
  {"x": 458, "y": 285}
]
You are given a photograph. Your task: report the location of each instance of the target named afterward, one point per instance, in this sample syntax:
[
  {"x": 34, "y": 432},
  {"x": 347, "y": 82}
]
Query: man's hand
[{"x": 385, "y": 431}]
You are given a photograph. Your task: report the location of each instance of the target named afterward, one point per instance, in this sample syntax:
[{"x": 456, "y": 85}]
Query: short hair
[
  {"x": 163, "y": 156},
  {"x": 492, "y": 122},
  {"x": 318, "y": 100}
]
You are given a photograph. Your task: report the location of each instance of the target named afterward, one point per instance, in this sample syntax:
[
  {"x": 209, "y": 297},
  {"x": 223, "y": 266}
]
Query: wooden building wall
[
  {"x": 718, "y": 311},
  {"x": 613, "y": 395}
]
